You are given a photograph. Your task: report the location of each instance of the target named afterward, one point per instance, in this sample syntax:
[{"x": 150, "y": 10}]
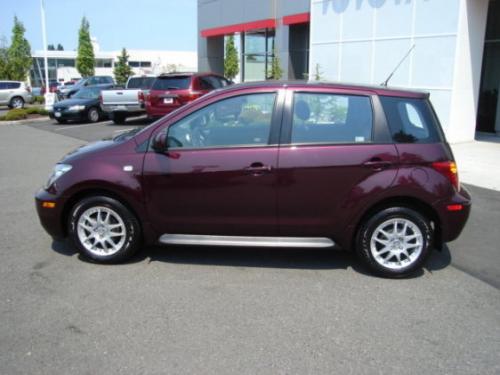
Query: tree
[
  {"x": 276, "y": 71},
  {"x": 60, "y": 47},
  {"x": 318, "y": 74},
  {"x": 85, "y": 61},
  {"x": 51, "y": 47},
  {"x": 4, "y": 59},
  {"x": 122, "y": 70},
  {"x": 19, "y": 53},
  {"x": 231, "y": 63}
]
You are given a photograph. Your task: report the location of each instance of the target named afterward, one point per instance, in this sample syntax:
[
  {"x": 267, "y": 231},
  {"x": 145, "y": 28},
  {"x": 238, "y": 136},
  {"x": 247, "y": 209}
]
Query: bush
[
  {"x": 39, "y": 99},
  {"x": 23, "y": 113}
]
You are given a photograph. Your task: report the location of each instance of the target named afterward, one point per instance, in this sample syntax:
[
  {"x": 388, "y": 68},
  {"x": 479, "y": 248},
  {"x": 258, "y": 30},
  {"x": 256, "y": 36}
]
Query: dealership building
[{"x": 452, "y": 48}]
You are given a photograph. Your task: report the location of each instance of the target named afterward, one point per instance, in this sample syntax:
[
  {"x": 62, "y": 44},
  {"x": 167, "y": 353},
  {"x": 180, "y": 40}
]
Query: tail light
[
  {"x": 140, "y": 97},
  {"x": 449, "y": 170},
  {"x": 189, "y": 97}
]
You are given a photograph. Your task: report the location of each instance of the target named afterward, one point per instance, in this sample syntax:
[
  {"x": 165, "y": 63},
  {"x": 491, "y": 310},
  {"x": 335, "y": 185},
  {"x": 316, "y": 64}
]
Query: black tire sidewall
[
  {"x": 369, "y": 226},
  {"x": 132, "y": 227},
  {"x": 11, "y": 104},
  {"x": 119, "y": 119}
]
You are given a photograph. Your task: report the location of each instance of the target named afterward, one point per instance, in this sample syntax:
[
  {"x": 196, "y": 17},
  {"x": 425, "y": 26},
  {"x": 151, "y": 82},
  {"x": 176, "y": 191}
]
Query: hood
[
  {"x": 73, "y": 101},
  {"x": 89, "y": 149}
]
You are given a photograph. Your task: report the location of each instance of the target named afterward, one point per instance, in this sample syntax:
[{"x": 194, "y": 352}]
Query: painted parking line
[
  {"x": 123, "y": 130},
  {"x": 77, "y": 126}
]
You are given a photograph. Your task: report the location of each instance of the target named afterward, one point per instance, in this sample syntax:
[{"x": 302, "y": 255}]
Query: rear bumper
[
  {"x": 159, "y": 111},
  {"x": 129, "y": 109},
  {"x": 453, "y": 222},
  {"x": 50, "y": 218}
]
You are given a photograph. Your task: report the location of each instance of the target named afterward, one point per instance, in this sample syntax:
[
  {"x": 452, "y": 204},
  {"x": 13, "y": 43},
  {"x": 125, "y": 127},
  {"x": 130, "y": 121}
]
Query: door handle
[
  {"x": 258, "y": 168},
  {"x": 377, "y": 164}
]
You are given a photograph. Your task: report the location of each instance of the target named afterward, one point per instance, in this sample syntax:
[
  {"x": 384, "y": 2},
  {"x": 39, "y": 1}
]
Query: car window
[
  {"x": 3, "y": 85},
  {"x": 410, "y": 120},
  {"x": 172, "y": 83},
  {"x": 88, "y": 93},
  {"x": 143, "y": 83},
  {"x": 331, "y": 118},
  {"x": 206, "y": 83},
  {"x": 243, "y": 120},
  {"x": 13, "y": 85}
]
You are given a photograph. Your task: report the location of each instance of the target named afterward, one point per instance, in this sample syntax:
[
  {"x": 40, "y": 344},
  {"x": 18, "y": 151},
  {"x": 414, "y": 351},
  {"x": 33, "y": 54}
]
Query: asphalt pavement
[{"x": 191, "y": 310}]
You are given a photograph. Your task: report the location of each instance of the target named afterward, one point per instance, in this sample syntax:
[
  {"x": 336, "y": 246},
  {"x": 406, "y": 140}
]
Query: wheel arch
[{"x": 403, "y": 201}]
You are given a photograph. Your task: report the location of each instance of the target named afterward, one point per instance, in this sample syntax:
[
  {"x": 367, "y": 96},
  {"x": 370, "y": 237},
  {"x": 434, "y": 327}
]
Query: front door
[
  {"x": 218, "y": 176},
  {"x": 328, "y": 161}
]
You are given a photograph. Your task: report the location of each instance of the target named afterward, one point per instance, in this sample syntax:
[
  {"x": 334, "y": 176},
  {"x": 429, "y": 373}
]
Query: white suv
[{"x": 14, "y": 94}]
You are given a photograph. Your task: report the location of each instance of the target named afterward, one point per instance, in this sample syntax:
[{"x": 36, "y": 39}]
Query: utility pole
[{"x": 49, "y": 97}]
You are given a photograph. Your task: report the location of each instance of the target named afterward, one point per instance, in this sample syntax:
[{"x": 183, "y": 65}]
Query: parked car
[
  {"x": 15, "y": 94},
  {"x": 85, "y": 82},
  {"x": 269, "y": 164},
  {"x": 64, "y": 88},
  {"x": 82, "y": 106},
  {"x": 53, "y": 87},
  {"x": 173, "y": 90},
  {"x": 122, "y": 103}
]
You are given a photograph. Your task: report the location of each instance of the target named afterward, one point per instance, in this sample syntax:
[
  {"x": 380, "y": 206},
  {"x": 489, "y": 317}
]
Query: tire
[
  {"x": 91, "y": 222},
  {"x": 16, "y": 102},
  {"x": 61, "y": 121},
  {"x": 93, "y": 114},
  {"x": 119, "y": 119},
  {"x": 392, "y": 253}
]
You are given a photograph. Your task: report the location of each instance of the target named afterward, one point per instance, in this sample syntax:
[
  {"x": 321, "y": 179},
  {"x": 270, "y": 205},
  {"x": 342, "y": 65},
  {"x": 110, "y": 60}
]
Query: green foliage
[
  {"x": 231, "y": 62},
  {"x": 18, "y": 54},
  {"x": 60, "y": 47},
  {"x": 39, "y": 99},
  {"x": 276, "y": 71},
  {"x": 4, "y": 63},
  {"x": 23, "y": 113},
  {"x": 51, "y": 47},
  {"x": 85, "y": 60},
  {"x": 122, "y": 70}
]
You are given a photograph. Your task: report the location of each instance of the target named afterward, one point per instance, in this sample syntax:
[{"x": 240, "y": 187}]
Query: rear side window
[
  {"x": 331, "y": 118},
  {"x": 172, "y": 83},
  {"x": 13, "y": 85},
  {"x": 411, "y": 120},
  {"x": 142, "y": 83}
]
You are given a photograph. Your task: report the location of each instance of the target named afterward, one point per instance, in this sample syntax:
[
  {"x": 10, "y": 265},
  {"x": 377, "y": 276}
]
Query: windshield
[
  {"x": 143, "y": 83},
  {"x": 172, "y": 83},
  {"x": 88, "y": 93}
]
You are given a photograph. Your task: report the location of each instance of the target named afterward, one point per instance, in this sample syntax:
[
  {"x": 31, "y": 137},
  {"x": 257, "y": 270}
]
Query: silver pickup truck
[{"x": 128, "y": 102}]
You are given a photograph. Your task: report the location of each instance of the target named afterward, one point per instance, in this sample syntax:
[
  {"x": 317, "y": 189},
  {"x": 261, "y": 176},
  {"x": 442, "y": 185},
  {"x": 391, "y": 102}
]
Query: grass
[{"x": 23, "y": 113}]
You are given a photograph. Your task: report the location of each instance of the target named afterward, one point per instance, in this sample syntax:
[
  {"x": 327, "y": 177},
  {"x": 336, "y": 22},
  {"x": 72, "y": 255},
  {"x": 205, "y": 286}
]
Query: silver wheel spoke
[
  {"x": 101, "y": 231},
  {"x": 396, "y": 243}
]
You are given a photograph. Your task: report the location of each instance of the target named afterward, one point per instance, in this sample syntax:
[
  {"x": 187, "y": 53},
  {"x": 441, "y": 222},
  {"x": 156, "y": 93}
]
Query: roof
[{"x": 373, "y": 89}]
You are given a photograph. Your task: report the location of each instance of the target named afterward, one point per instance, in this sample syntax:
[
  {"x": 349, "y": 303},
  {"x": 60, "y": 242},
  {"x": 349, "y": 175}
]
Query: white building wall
[{"x": 362, "y": 41}]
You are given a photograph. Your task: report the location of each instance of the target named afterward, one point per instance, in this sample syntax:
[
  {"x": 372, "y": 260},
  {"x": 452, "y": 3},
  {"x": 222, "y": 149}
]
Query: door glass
[
  {"x": 238, "y": 121},
  {"x": 331, "y": 118}
]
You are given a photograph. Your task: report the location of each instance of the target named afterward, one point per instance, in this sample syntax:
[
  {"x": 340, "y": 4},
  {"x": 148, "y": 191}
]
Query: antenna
[{"x": 397, "y": 66}]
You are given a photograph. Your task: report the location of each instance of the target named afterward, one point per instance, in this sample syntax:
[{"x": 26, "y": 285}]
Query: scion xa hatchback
[{"x": 269, "y": 164}]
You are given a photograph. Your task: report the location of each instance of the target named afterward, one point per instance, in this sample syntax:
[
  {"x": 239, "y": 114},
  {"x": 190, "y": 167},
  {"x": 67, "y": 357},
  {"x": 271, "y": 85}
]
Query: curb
[{"x": 26, "y": 121}]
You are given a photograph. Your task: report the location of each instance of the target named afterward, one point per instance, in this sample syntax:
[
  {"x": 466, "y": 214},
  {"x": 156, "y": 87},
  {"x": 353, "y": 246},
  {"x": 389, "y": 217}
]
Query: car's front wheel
[
  {"x": 394, "y": 242},
  {"x": 119, "y": 118},
  {"x": 93, "y": 115},
  {"x": 104, "y": 230}
]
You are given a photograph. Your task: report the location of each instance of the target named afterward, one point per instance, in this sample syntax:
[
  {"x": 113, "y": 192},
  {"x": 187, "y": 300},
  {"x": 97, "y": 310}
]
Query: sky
[{"x": 133, "y": 24}]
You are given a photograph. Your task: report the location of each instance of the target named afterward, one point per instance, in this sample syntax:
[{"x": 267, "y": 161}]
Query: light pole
[{"x": 49, "y": 97}]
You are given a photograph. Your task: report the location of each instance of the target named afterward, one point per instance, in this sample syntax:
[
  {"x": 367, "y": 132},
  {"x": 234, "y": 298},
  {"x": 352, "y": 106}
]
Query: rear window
[
  {"x": 172, "y": 83},
  {"x": 143, "y": 83},
  {"x": 411, "y": 120}
]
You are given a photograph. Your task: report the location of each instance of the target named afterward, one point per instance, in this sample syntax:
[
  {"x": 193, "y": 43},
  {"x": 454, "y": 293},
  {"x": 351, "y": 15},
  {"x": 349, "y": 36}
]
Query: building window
[
  {"x": 257, "y": 51},
  {"x": 134, "y": 64}
]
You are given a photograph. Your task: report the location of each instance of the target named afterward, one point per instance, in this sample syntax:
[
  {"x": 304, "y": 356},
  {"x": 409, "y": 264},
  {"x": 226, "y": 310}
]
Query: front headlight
[
  {"x": 58, "y": 171},
  {"x": 75, "y": 108}
]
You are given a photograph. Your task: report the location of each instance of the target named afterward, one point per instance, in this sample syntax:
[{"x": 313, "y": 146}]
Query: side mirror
[{"x": 159, "y": 143}]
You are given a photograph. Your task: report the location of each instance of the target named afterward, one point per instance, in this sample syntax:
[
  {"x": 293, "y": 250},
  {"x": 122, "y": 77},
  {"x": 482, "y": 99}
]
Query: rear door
[
  {"x": 4, "y": 92},
  {"x": 218, "y": 176},
  {"x": 334, "y": 152}
]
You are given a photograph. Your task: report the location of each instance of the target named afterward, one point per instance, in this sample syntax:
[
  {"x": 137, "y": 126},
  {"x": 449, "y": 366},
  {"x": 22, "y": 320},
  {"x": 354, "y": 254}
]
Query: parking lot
[{"x": 206, "y": 310}]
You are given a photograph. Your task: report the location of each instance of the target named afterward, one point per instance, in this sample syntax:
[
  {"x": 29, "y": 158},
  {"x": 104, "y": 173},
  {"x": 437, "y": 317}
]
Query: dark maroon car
[
  {"x": 269, "y": 164},
  {"x": 173, "y": 90}
]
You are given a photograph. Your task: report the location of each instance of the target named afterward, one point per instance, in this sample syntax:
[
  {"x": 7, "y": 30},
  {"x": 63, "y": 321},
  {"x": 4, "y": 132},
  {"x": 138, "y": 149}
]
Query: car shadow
[{"x": 285, "y": 258}]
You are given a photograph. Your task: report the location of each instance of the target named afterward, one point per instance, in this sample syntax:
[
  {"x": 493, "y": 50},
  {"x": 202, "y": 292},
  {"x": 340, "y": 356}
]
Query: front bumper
[
  {"x": 69, "y": 115},
  {"x": 51, "y": 218},
  {"x": 453, "y": 222}
]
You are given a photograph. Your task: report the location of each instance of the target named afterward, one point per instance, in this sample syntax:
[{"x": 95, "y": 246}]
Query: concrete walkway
[{"x": 479, "y": 161}]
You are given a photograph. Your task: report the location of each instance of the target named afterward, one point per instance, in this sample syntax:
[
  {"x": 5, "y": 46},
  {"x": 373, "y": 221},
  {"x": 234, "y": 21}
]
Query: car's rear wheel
[
  {"x": 16, "y": 102},
  {"x": 104, "y": 230},
  {"x": 119, "y": 118},
  {"x": 394, "y": 242},
  {"x": 93, "y": 114}
]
